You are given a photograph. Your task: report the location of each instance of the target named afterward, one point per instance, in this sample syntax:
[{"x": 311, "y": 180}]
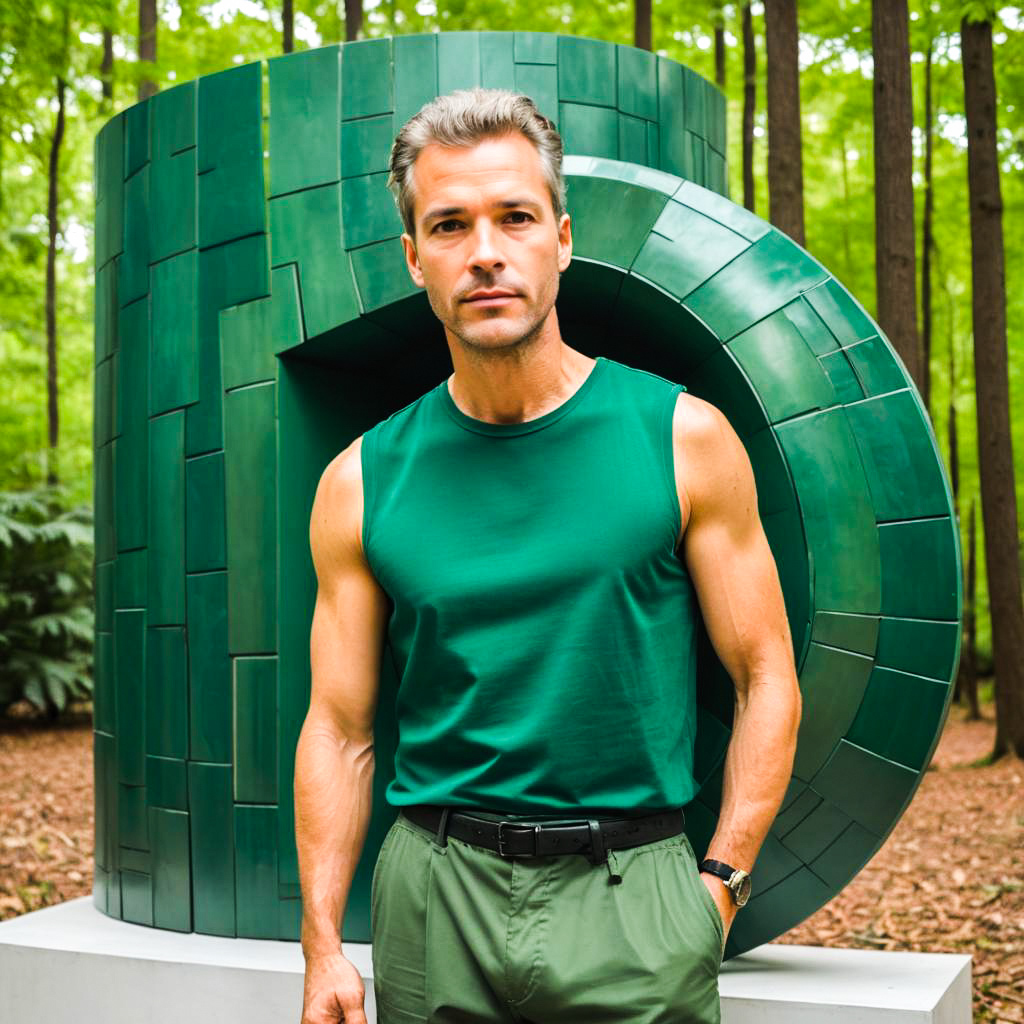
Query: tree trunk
[
  {"x": 749, "y": 104},
  {"x": 288, "y": 21},
  {"x": 719, "y": 17},
  {"x": 642, "y": 36},
  {"x": 927, "y": 237},
  {"x": 995, "y": 449},
  {"x": 353, "y": 19},
  {"x": 971, "y": 619},
  {"x": 107, "y": 67},
  {"x": 785, "y": 169},
  {"x": 147, "y": 44},
  {"x": 895, "y": 273},
  {"x": 51, "y": 288}
]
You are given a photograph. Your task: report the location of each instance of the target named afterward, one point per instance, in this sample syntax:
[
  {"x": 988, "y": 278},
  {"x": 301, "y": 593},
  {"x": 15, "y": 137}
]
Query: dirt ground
[{"x": 950, "y": 877}]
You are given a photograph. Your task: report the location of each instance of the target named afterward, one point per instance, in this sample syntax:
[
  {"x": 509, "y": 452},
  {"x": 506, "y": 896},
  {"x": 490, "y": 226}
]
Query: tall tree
[
  {"x": 895, "y": 272},
  {"x": 642, "y": 35},
  {"x": 147, "y": 45},
  {"x": 966, "y": 686},
  {"x": 288, "y": 26},
  {"x": 995, "y": 448},
  {"x": 353, "y": 19},
  {"x": 718, "y": 16},
  {"x": 51, "y": 284},
  {"x": 785, "y": 160},
  {"x": 107, "y": 67},
  {"x": 927, "y": 234},
  {"x": 749, "y": 105}
]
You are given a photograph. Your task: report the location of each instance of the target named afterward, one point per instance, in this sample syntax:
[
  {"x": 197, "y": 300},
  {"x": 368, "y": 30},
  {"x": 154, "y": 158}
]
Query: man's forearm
[
  {"x": 758, "y": 766},
  {"x": 333, "y": 801}
]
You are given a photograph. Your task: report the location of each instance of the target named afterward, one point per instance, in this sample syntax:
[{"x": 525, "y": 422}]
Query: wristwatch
[{"x": 736, "y": 879}]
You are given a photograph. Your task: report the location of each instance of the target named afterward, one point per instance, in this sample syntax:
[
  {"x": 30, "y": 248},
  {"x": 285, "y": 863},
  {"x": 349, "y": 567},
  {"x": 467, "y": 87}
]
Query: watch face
[{"x": 742, "y": 890}]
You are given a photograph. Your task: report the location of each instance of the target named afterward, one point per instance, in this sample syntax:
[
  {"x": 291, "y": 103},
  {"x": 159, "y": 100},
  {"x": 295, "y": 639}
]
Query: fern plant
[{"x": 46, "y": 599}]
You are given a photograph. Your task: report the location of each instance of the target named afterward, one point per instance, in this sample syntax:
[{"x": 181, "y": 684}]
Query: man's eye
[
  {"x": 520, "y": 213},
  {"x": 441, "y": 226}
]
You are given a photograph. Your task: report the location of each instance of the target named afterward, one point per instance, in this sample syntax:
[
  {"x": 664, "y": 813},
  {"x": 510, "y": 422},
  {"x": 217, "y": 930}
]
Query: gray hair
[{"x": 464, "y": 118}]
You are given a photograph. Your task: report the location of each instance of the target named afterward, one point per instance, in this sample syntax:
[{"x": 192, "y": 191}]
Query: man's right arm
[{"x": 334, "y": 757}]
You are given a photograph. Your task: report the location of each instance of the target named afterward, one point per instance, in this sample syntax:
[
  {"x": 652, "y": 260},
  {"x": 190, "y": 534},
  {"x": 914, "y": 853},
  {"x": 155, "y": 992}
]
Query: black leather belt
[{"x": 588, "y": 836}]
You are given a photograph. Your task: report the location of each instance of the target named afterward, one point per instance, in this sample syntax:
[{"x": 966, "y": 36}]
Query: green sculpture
[{"x": 254, "y": 314}]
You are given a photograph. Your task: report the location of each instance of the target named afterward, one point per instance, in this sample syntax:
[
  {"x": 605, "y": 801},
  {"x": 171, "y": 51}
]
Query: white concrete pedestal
[{"x": 70, "y": 963}]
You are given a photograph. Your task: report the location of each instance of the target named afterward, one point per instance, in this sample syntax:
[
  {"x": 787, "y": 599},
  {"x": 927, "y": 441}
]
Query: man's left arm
[{"x": 737, "y": 585}]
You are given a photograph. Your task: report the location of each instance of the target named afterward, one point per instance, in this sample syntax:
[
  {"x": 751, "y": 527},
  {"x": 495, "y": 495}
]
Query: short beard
[{"x": 517, "y": 349}]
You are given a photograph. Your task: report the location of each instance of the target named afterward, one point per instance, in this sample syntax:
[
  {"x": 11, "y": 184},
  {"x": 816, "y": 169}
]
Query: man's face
[{"x": 484, "y": 223}]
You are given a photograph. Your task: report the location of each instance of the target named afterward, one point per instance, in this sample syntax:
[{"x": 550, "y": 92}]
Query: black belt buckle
[{"x": 501, "y": 840}]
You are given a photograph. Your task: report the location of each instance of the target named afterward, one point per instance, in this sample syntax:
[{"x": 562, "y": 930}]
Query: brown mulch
[{"x": 949, "y": 878}]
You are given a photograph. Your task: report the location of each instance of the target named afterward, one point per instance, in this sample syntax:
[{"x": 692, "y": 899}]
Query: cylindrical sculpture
[{"x": 245, "y": 334}]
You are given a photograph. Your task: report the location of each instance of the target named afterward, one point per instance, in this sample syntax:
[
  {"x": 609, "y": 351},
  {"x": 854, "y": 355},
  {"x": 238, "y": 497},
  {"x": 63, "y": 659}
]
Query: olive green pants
[{"x": 461, "y": 934}]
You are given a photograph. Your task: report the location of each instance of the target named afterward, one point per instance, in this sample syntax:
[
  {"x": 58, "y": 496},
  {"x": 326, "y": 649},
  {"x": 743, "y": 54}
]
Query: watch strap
[{"x": 717, "y": 867}]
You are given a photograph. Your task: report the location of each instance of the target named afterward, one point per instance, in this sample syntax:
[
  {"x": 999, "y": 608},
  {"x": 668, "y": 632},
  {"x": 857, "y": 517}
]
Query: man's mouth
[{"x": 490, "y": 298}]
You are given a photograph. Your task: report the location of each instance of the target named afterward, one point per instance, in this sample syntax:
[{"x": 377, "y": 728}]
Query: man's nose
[{"x": 485, "y": 254}]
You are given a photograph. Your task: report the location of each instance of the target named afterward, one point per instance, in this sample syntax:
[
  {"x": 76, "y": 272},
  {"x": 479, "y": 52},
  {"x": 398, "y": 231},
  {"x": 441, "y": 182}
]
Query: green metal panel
[
  {"x": 369, "y": 209},
  {"x": 174, "y": 373},
  {"x": 133, "y": 829},
  {"x": 166, "y": 575},
  {"x": 497, "y": 62},
  {"x": 166, "y": 692},
  {"x": 212, "y": 833},
  {"x": 130, "y": 683},
  {"x": 587, "y": 71},
  {"x": 209, "y": 667},
  {"x": 255, "y": 730},
  {"x": 172, "y": 884},
  {"x": 104, "y": 714},
  {"x": 167, "y": 782},
  {"x": 595, "y": 236},
  {"x": 205, "y": 520},
  {"x": 589, "y": 130},
  {"x": 458, "y": 61},
  {"x": 131, "y": 486},
  {"x": 103, "y": 577},
  {"x": 204, "y": 485},
  {"x": 228, "y": 274},
  {"x": 539, "y": 82},
  {"x": 366, "y": 81},
  {"x": 305, "y": 118},
  {"x": 137, "y": 897},
  {"x": 250, "y": 456},
  {"x": 133, "y": 267},
  {"x": 255, "y": 843},
  {"x": 130, "y": 578}
]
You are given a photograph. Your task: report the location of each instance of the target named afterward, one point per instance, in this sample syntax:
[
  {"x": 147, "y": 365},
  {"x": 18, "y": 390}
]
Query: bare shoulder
[
  {"x": 712, "y": 469},
  {"x": 335, "y": 528}
]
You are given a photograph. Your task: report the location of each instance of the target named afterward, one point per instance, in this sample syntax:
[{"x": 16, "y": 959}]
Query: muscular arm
[
  {"x": 737, "y": 585},
  {"x": 334, "y": 757}
]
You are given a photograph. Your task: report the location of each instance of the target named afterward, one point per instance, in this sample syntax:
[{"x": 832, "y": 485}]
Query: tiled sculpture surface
[{"x": 254, "y": 314}]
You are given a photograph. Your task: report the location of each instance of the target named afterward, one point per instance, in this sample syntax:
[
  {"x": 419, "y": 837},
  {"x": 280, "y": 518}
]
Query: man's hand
[
  {"x": 723, "y": 899},
  {"x": 333, "y": 991}
]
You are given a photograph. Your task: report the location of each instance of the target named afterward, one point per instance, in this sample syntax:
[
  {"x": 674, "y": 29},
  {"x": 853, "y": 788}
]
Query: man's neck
[{"x": 500, "y": 389}]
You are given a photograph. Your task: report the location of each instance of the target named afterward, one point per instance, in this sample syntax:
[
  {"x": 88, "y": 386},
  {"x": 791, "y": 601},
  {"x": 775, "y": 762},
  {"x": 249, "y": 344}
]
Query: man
[{"x": 530, "y": 535}]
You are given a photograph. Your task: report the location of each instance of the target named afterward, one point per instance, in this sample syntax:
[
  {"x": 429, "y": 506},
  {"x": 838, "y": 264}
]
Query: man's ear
[
  {"x": 412, "y": 260},
  {"x": 564, "y": 242}
]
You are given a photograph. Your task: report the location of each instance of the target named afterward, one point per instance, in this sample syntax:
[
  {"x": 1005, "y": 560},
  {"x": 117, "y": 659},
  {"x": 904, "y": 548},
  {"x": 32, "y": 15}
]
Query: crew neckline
[{"x": 526, "y": 426}]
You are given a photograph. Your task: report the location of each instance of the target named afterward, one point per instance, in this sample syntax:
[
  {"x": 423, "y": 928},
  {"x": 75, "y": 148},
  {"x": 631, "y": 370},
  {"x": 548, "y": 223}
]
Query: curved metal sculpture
[{"x": 245, "y": 335}]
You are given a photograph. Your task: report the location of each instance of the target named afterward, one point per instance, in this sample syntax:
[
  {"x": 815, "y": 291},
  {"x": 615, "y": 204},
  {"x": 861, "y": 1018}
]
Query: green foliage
[
  {"x": 46, "y": 618},
  {"x": 38, "y": 41}
]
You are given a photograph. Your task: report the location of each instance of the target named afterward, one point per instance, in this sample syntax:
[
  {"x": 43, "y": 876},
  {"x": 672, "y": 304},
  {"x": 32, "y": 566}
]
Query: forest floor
[{"x": 949, "y": 878}]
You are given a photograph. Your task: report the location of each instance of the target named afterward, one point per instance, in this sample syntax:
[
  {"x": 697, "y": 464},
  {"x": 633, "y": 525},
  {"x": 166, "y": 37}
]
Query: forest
[{"x": 887, "y": 138}]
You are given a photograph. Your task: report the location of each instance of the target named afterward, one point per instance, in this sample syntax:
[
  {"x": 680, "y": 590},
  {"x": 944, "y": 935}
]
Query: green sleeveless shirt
[{"x": 542, "y": 627}]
